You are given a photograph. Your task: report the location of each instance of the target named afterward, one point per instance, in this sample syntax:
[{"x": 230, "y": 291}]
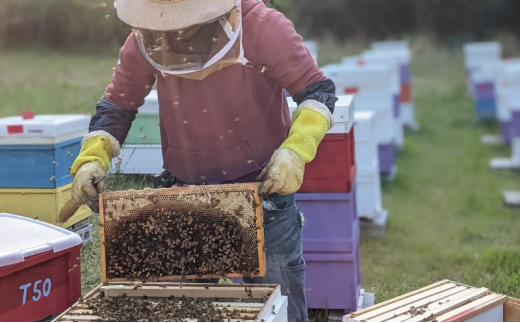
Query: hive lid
[
  {"x": 56, "y": 128},
  {"x": 343, "y": 113},
  {"x": 21, "y": 237}
]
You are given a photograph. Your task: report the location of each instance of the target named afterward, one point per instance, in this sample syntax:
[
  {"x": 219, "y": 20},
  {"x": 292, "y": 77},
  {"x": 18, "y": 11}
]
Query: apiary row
[
  {"x": 494, "y": 84},
  {"x": 36, "y": 153}
]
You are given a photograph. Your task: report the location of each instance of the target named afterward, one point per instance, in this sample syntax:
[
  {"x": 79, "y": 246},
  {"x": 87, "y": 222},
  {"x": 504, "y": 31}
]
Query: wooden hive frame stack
[{"x": 445, "y": 301}]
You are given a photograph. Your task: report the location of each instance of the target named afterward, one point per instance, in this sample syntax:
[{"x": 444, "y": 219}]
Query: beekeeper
[{"x": 221, "y": 67}]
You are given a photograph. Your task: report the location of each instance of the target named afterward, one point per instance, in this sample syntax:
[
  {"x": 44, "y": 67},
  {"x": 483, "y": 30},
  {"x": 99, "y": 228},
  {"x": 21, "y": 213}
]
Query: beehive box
[
  {"x": 145, "y": 128},
  {"x": 41, "y": 204},
  {"x": 40, "y": 272},
  {"x": 161, "y": 302},
  {"x": 445, "y": 301},
  {"x": 37, "y": 152},
  {"x": 193, "y": 232},
  {"x": 139, "y": 159},
  {"x": 334, "y": 168}
]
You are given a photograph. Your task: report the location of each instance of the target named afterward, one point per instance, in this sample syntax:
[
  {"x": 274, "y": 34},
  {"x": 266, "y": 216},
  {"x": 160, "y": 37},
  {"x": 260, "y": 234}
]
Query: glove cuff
[
  {"x": 116, "y": 147},
  {"x": 94, "y": 149},
  {"x": 307, "y": 131}
]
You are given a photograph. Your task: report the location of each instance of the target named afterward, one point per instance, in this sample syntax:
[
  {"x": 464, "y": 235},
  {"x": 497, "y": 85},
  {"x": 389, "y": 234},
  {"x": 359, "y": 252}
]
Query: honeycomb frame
[{"x": 119, "y": 208}]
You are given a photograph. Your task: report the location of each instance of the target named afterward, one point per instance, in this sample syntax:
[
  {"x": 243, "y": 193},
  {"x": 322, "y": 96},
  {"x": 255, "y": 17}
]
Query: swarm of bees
[
  {"x": 162, "y": 309},
  {"x": 165, "y": 240}
]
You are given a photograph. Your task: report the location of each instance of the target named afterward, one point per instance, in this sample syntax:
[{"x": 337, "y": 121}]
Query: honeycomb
[{"x": 195, "y": 232}]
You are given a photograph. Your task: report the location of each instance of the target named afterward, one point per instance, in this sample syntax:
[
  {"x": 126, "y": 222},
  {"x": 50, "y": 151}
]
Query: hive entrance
[{"x": 189, "y": 232}]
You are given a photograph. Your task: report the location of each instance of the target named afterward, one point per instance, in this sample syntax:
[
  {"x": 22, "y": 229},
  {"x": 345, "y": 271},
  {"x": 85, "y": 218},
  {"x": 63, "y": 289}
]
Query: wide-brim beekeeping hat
[{"x": 167, "y": 15}]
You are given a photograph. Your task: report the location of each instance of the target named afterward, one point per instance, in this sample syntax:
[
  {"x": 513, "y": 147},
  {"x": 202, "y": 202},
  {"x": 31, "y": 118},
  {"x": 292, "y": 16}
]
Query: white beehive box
[
  {"x": 476, "y": 54},
  {"x": 389, "y": 59},
  {"x": 139, "y": 159},
  {"x": 313, "y": 47},
  {"x": 445, "y": 301},
  {"x": 365, "y": 139},
  {"x": 367, "y": 83},
  {"x": 507, "y": 89},
  {"x": 385, "y": 120},
  {"x": 151, "y": 104},
  {"x": 343, "y": 114},
  {"x": 255, "y": 303},
  {"x": 393, "y": 60},
  {"x": 42, "y": 129},
  {"x": 368, "y": 194}
]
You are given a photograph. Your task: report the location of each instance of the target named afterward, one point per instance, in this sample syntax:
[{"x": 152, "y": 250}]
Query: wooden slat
[
  {"x": 512, "y": 310},
  {"x": 260, "y": 234},
  {"x": 401, "y": 312},
  {"x": 102, "y": 240},
  {"x": 396, "y": 304},
  {"x": 81, "y": 318},
  {"x": 457, "y": 301},
  {"x": 472, "y": 309},
  {"x": 222, "y": 291},
  {"x": 358, "y": 314}
]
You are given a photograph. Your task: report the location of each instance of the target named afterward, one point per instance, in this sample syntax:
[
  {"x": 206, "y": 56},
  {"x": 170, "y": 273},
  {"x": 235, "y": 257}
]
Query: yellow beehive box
[{"x": 41, "y": 204}]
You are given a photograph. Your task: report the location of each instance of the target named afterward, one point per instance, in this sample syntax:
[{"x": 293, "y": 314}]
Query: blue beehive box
[
  {"x": 486, "y": 109},
  {"x": 37, "y": 151}
]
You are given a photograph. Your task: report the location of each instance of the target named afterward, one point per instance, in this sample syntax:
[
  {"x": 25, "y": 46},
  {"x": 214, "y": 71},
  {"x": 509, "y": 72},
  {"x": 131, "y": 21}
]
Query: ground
[{"x": 447, "y": 219}]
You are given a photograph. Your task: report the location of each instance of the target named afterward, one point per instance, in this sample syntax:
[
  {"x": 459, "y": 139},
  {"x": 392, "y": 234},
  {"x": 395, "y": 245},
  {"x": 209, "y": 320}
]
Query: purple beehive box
[
  {"x": 387, "y": 159},
  {"x": 506, "y": 129},
  {"x": 333, "y": 280},
  {"x": 483, "y": 91},
  {"x": 397, "y": 106},
  {"x": 331, "y": 249},
  {"x": 404, "y": 71},
  {"x": 515, "y": 127},
  {"x": 332, "y": 221}
]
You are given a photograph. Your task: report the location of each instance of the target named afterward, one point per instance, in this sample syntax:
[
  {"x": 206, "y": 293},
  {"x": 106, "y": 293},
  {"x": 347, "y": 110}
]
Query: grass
[{"x": 447, "y": 220}]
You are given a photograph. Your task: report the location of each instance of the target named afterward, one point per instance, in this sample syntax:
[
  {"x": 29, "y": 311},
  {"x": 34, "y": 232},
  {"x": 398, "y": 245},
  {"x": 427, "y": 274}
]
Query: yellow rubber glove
[
  {"x": 284, "y": 173},
  {"x": 90, "y": 169}
]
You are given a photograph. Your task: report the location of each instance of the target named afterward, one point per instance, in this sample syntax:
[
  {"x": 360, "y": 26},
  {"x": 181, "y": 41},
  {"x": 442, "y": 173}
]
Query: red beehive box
[
  {"x": 40, "y": 272},
  {"x": 334, "y": 168}
]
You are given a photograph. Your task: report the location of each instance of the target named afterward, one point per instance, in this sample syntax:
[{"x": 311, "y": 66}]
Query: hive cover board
[{"x": 194, "y": 232}]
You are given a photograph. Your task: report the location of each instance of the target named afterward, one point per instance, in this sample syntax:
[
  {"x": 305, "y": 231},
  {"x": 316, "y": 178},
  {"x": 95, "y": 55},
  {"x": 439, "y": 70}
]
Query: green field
[{"x": 447, "y": 219}]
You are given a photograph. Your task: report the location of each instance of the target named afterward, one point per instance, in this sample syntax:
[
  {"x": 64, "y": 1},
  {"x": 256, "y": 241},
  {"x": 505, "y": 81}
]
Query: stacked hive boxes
[
  {"x": 507, "y": 85},
  {"x": 375, "y": 89},
  {"x": 479, "y": 61},
  {"x": 142, "y": 153},
  {"x": 331, "y": 235},
  {"x": 393, "y": 62},
  {"x": 400, "y": 50},
  {"x": 36, "y": 153},
  {"x": 40, "y": 272},
  {"x": 368, "y": 183}
]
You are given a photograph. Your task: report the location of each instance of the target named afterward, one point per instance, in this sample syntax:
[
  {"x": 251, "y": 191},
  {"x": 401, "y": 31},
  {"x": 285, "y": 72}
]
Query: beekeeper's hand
[
  {"x": 90, "y": 170},
  {"x": 88, "y": 183},
  {"x": 284, "y": 173}
]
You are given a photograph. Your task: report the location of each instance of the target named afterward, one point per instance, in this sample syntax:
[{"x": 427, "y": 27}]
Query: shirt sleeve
[
  {"x": 132, "y": 80},
  {"x": 286, "y": 57}
]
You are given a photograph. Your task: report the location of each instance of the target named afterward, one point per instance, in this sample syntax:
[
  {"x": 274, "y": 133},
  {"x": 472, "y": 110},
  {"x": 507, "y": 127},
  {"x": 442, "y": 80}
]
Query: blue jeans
[{"x": 285, "y": 265}]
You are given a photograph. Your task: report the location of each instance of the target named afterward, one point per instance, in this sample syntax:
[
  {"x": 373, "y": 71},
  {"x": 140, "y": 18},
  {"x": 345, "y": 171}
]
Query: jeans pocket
[{"x": 282, "y": 229}]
